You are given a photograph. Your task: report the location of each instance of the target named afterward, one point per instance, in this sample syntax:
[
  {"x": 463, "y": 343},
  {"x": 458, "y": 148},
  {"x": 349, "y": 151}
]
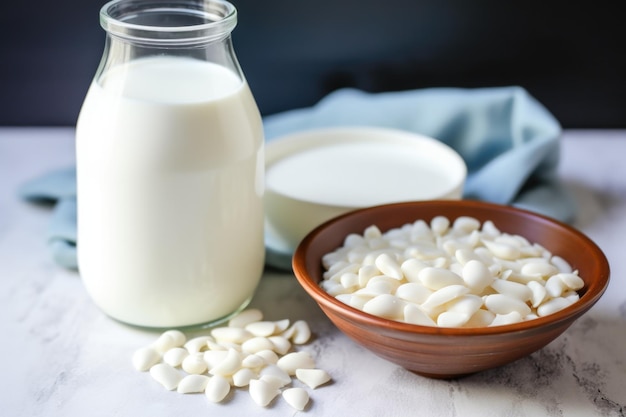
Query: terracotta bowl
[{"x": 452, "y": 352}]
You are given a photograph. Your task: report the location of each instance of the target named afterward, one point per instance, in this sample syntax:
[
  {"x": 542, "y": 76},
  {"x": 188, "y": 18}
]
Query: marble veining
[{"x": 63, "y": 357}]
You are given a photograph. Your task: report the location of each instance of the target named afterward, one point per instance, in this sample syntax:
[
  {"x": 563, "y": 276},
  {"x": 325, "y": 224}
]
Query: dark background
[{"x": 571, "y": 56}]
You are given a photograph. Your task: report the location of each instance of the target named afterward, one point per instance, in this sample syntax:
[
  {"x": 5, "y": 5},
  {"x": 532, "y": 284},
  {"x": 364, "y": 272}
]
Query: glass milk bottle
[{"x": 170, "y": 166}]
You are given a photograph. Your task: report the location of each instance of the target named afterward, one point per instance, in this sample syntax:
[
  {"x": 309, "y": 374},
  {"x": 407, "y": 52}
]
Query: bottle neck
[
  {"x": 167, "y": 23},
  {"x": 197, "y": 29}
]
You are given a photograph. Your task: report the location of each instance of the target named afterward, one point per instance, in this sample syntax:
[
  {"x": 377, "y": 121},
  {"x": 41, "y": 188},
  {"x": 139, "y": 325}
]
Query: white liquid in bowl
[
  {"x": 358, "y": 175},
  {"x": 316, "y": 175}
]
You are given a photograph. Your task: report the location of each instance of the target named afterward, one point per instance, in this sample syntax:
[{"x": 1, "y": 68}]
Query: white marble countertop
[{"x": 62, "y": 357}]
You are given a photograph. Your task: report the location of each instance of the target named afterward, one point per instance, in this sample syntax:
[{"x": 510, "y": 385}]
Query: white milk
[
  {"x": 334, "y": 171},
  {"x": 170, "y": 187},
  {"x": 359, "y": 174}
]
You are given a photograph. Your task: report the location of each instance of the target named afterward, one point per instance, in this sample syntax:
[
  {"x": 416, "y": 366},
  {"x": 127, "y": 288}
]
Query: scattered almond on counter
[{"x": 248, "y": 353}]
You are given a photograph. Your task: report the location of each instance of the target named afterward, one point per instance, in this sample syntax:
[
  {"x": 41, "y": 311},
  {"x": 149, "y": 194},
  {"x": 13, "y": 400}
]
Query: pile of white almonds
[
  {"x": 449, "y": 274},
  {"x": 249, "y": 353}
]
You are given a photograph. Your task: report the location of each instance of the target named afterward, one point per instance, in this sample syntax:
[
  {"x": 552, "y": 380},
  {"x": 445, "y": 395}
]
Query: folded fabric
[
  {"x": 58, "y": 188},
  {"x": 509, "y": 141}
]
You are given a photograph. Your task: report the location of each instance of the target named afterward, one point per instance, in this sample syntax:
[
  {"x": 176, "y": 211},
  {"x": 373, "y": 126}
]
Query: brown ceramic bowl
[{"x": 452, "y": 352}]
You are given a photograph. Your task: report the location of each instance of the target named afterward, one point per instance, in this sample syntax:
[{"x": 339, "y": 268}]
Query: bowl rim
[
  {"x": 592, "y": 294},
  {"x": 296, "y": 142}
]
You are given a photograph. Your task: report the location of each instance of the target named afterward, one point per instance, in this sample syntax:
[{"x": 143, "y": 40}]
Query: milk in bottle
[{"x": 169, "y": 154}]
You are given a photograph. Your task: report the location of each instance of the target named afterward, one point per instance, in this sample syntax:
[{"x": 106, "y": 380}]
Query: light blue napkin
[
  {"x": 509, "y": 141},
  {"x": 58, "y": 188}
]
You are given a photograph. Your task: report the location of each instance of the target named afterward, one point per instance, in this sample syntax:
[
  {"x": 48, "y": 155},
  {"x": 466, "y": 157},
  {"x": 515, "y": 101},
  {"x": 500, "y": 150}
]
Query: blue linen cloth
[{"x": 509, "y": 141}]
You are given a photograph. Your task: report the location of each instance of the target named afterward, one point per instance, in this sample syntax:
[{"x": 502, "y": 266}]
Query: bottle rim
[{"x": 169, "y": 22}]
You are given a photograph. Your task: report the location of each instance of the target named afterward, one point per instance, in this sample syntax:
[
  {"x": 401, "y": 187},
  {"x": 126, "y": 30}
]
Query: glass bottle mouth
[{"x": 169, "y": 22}]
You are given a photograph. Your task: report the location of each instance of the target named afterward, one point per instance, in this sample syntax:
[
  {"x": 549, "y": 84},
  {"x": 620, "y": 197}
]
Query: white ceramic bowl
[{"x": 315, "y": 175}]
